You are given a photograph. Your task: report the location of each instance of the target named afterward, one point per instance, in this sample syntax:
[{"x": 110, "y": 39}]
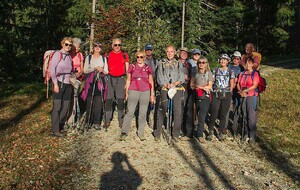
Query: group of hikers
[{"x": 180, "y": 94}]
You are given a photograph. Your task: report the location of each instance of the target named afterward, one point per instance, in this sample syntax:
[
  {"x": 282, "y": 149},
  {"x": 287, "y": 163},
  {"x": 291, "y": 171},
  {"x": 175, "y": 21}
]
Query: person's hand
[
  {"x": 99, "y": 69},
  {"x": 243, "y": 93},
  {"x": 152, "y": 99},
  {"x": 56, "y": 88},
  {"x": 126, "y": 96}
]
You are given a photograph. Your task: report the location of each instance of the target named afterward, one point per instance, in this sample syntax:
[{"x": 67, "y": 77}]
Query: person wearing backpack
[
  {"x": 221, "y": 98},
  {"x": 201, "y": 83},
  {"x": 77, "y": 61},
  {"x": 118, "y": 63},
  {"x": 152, "y": 62},
  {"x": 246, "y": 86},
  {"x": 60, "y": 71},
  {"x": 95, "y": 69},
  {"x": 139, "y": 91},
  {"x": 250, "y": 52},
  {"x": 170, "y": 76}
]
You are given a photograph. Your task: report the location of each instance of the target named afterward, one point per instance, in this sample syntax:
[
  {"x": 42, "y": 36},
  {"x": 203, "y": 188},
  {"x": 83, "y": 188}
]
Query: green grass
[
  {"x": 279, "y": 115},
  {"x": 28, "y": 155}
]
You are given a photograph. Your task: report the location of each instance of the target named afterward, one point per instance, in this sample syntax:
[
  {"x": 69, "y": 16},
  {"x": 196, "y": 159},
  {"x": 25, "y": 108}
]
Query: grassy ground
[
  {"x": 279, "y": 115},
  {"x": 29, "y": 157}
]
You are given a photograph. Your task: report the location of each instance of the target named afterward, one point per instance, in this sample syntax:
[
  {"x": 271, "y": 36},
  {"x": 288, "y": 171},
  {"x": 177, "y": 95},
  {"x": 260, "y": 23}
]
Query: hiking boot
[
  {"x": 106, "y": 125},
  {"x": 123, "y": 137},
  {"x": 200, "y": 139},
  {"x": 58, "y": 134},
  {"x": 251, "y": 141},
  {"x": 222, "y": 137},
  {"x": 157, "y": 139},
  {"x": 66, "y": 126},
  {"x": 185, "y": 138},
  {"x": 96, "y": 126},
  {"x": 209, "y": 136},
  {"x": 175, "y": 139}
]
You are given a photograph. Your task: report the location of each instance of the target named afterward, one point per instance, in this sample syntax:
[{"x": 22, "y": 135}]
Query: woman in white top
[{"x": 95, "y": 69}]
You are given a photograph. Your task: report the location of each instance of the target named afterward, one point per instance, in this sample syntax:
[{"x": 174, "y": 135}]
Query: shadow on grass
[
  {"x": 293, "y": 63},
  {"x": 15, "y": 120},
  {"x": 280, "y": 161}
]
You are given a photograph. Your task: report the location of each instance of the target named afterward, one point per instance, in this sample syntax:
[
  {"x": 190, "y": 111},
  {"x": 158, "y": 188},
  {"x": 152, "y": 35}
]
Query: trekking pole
[
  {"x": 92, "y": 100},
  {"x": 170, "y": 122},
  {"x": 243, "y": 119},
  {"x": 78, "y": 114},
  {"x": 47, "y": 90},
  {"x": 103, "y": 102}
]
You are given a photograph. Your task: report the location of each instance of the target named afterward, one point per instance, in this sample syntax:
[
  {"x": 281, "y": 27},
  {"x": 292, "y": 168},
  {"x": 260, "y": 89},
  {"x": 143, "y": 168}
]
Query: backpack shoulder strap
[{"x": 90, "y": 58}]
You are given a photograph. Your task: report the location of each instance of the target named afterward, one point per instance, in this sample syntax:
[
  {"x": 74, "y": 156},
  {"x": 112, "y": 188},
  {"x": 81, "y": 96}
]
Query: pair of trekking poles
[
  {"x": 169, "y": 115},
  {"x": 243, "y": 115},
  {"x": 82, "y": 126}
]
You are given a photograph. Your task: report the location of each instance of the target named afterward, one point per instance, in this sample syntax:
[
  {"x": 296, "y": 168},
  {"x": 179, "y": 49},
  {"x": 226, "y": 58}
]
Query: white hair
[{"x": 76, "y": 41}]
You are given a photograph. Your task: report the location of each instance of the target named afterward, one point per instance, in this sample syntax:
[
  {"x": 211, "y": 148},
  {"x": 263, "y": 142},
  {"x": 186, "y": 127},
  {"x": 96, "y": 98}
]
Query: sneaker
[
  {"x": 58, "y": 134},
  {"x": 96, "y": 126},
  {"x": 141, "y": 137},
  {"x": 123, "y": 137}
]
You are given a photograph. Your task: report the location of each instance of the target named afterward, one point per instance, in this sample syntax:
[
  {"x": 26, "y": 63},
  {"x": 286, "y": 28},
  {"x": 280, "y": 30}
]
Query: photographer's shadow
[{"x": 122, "y": 176}]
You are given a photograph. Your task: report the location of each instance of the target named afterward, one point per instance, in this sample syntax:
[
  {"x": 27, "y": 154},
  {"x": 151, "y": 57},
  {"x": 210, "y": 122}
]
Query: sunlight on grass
[{"x": 280, "y": 112}]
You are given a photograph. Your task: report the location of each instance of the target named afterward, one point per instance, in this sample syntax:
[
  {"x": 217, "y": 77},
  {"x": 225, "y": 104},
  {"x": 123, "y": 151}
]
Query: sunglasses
[
  {"x": 117, "y": 45},
  {"x": 201, "y": 62},
  {"x": 66, "y": 44},
  {"x": 139, "y": 57}
]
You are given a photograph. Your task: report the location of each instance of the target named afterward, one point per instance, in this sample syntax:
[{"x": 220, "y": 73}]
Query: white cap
[{"x": 237, "y": 54}]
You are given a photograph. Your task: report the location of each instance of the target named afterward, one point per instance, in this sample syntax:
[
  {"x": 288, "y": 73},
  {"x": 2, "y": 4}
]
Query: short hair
[
  {"x": 171, "y": 47},
  {"x": 66, "y": 39},
  {"x": 252, "y": 45},
  {"x": 250, "y": 59},
  {"x": 141, "y": 52},
  {"x": 116, "y": 39},
  {"x": 76, "y": 41}
]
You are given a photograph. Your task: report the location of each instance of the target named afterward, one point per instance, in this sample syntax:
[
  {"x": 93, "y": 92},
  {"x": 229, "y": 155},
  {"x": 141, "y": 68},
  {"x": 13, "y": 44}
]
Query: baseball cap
[
  {"x": 184, "y": 49},
  {"x": 196, "y": 51},
  {"x": 148, "y": 47},
  {"x": 237, "y": 54}
]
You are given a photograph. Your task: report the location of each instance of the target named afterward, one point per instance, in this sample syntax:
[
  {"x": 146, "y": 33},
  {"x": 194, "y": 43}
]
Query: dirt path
[{"x": 98, "y": 160}]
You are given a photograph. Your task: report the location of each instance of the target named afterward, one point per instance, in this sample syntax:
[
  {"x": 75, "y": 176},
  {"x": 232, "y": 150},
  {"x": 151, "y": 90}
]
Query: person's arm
[
  {"x": 255, "y": 64},
  {"x": 128, "y": 80},
  {"x": 105, "y": 69},
  {"x": 127, "y": 62},
  {"x": 53, "y": 66},
  {"x": 180, "y": 78},
  {"x": 87, "y": 66},
  {"x": 152, "y": 92},
  {"x": 161, "y": 80},
  {"x": 81, "y": 64}
]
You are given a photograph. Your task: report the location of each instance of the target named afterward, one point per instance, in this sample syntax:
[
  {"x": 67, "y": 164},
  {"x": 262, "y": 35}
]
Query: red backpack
[{"x": 262, "y": 82}]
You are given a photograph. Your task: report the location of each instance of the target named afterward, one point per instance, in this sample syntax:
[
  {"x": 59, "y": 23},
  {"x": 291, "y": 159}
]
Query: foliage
[{"x": 31, "y": 27}]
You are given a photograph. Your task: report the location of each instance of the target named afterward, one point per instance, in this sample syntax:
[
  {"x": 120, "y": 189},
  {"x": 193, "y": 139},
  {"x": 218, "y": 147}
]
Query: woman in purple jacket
[{"x": 60, "y": 70}]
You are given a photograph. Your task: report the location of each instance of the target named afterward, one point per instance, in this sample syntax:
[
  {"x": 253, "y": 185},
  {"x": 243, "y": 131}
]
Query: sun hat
[
  {"x": 224, "y": 56},
  {"x": 172, "y": 92},
  {"x": 237, "y": 54}
]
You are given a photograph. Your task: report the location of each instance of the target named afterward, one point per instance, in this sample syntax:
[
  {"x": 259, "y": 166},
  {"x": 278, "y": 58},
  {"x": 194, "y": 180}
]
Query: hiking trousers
[
  {"x": 61, "y": 106},
  {"x": 116, "y": 90},
  {"x": 95, "y": 104},
  {"x": 135, "y": 98},
  {"x": 219, "y": 107},
  {"x": 202, "y": 109},
  {"x": 188, "y": 113},
  {"x": 162, "y": 112},
  {"x": 250, "y": 106}
]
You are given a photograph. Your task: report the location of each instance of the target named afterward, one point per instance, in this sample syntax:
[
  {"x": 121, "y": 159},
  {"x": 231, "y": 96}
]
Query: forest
[{"x": 29, "y": 28}]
